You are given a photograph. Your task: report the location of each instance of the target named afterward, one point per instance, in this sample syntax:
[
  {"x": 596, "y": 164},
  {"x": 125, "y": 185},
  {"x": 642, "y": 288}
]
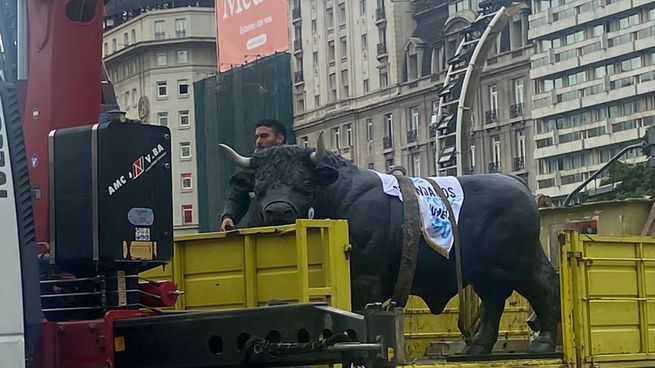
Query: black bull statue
[{"x": 498, "y": 223}]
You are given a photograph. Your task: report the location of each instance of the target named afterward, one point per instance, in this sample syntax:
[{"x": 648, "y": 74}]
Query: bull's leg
[
  {"x": 493, "y": 303},
  {"x": 541, "y": 287}
]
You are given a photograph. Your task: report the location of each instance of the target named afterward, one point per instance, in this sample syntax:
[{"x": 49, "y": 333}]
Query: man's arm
[{"x": 238, "y": 200}]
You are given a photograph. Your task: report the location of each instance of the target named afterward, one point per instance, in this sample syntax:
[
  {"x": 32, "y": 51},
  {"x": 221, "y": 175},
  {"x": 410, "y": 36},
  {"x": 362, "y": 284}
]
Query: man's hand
[{"x": 227, "y": 224}]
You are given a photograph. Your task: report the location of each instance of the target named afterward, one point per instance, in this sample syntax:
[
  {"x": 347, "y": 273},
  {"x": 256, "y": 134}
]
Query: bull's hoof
[
  {"x": 476, "y": 349},
  {"x": 543, "y": 344}
]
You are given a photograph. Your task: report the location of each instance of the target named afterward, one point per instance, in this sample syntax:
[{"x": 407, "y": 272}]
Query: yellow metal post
[
  {"x": 566, "y": 287},
  {"x": 303, "y": 266}
]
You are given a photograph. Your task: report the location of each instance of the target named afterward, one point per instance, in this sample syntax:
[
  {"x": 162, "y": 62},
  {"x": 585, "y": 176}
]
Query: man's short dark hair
[{"x": 277, "y": 127}]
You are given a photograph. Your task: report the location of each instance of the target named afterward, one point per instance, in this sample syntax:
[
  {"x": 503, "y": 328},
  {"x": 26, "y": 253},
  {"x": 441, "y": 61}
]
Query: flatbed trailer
[{"x": 607, "y": 292}]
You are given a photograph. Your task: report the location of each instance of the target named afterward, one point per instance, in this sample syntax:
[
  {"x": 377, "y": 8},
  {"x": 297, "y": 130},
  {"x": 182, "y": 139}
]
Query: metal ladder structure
[{"x": 453, "y": 120}]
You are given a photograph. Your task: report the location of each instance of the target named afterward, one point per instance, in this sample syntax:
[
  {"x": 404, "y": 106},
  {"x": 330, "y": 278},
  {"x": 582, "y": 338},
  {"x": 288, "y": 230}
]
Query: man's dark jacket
[{"x": 238, "y": 204}]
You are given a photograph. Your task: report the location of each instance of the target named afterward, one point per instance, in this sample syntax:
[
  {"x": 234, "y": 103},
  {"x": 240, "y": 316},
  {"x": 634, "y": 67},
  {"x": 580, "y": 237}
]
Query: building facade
[
  {"x": 594, "y": 75},
  {"x": 367, "y": 74},
  {"x": 153, "y": 60}
]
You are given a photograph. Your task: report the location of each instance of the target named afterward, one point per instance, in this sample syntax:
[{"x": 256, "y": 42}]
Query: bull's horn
[
  {"x": 243, "y": 162},
  {"x": 317, "y": 157}
]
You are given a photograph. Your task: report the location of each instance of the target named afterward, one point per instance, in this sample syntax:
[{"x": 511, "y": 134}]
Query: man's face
[{"x": 266, "y": 137}]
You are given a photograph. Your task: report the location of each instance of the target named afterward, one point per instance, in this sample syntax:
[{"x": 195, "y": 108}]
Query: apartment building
[
  {"x": 594, "y": 75},
  {"x": 153, "y": 58},
  {"x": 367, "y": 74}
]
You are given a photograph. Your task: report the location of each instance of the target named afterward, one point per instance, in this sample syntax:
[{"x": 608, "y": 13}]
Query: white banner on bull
[{"x": 435, "y": 224}]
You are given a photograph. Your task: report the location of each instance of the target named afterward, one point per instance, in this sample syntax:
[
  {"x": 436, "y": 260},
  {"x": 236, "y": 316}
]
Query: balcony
[
  {"x": 494, "y": 167},
  {"x": 516, "y": 110},
  {"x": 519, "y": 164},
  {"x": 382, "y": 49},
  {"x": 380, "y": 15},
  {"x": 387, "y": 142},
  {"x": 295, "y": 14},
  {"x": 297, "y": 45},
  {"x": 411, "y": 136},
  {"x": 160, "y": 35},
  {"x": 298, "y": 77},
  {"x": 180, "y": 33},
  {"x": 491, "y": 116}
]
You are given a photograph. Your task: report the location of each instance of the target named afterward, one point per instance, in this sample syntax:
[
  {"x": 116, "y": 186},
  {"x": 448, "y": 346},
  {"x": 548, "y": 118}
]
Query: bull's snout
[{"x": 279, "y": 213}]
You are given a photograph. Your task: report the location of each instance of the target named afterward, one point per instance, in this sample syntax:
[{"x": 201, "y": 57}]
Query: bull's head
[{"x": 287, "y": 180}]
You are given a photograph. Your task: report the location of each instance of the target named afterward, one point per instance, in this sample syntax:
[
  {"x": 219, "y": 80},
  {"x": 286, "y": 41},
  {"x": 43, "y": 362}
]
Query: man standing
[{"x": 268, "y": 133}]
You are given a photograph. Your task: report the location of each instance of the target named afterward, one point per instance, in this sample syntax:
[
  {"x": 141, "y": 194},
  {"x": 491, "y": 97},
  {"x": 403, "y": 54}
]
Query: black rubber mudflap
[{"x": 24, "y": 214}]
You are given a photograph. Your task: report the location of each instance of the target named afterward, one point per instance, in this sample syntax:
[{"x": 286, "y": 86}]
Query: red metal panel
[
  {"x": 79, "y": 344},
  {"x": 63, "y": 88}
]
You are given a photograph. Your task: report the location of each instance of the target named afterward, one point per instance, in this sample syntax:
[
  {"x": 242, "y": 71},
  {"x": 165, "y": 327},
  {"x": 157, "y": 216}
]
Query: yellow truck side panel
[{"x": 608, "y": 290}]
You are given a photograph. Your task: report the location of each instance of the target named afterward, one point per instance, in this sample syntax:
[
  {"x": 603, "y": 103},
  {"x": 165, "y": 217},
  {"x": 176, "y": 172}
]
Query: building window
[
  {"x": 133, "y": 97},
  {"x": 113, "y": 45},
  {"x": 317, "y": 100},
  {"x": 162, "y": 58},
  {"x": 417, "y": 166},
  {"x": 187, "y": 183},
  {"x": 333, "y": 87},
  {"x": 336, "y": 139},
  {"x": 314, "y": 27},
  {"x": 414, "y": 118},
  {"x": 187, "y": 214},
  {"x": 331, "y": 52},
  {"x": 185, "y": 150},
  {"x": 315, "y": 57},
  {"x": 160, "y": 32},
  {"x": 362, "y": 7},
  {"x": 458, "y": 6},
  {"x": 133, "y": 34},
  {"x": 180, "y": 28},
  {"x": 343, "y": 48},
  {"x": 369, "y": 130},
  {"x": 364, "y": 41},
  {"x": 126, "y": 99},
  {"x": 106, "y": 49},
  {"x": 493, "y": 98},
  {"x": 366, "y": 86},
  {"x": 518, "y": 91},
  {"x": 305, "y": 142},
  {"x": 388, "y": 131},
  {"x": 162, "y": 118},
  {"x": 384, "y": 80},
  {"x": 183, "y": 87},
  {"x": 329, "y": 15},
  {"x": 344, "y": 84},
  {"x": 182, "y": 57},
  {"x": 371, "y": 165},
  {"x": 162, "y": 89},
  {"x": 126, "y": 40},
  {"x": 520, "y": 145},
  {"x": 184, "y": 118},
  {"x": 349, "y": 135},
  {"x": 342, "y": 14},
  {"x": 496, "y": 155}
]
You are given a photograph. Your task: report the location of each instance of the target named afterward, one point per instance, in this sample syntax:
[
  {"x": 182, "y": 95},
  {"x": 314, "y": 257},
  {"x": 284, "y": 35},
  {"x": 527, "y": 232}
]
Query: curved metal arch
[{"x": 468, "y": 84}]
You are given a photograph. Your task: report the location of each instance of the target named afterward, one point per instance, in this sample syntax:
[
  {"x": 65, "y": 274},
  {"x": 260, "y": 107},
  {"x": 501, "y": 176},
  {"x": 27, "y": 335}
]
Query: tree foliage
[{"x": 636, "y": 181}]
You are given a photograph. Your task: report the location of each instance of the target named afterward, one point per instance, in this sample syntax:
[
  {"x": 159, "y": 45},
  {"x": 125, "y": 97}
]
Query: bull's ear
[
  {"x": 242, "y": 182},
  {"x": 325, "y": 175}
]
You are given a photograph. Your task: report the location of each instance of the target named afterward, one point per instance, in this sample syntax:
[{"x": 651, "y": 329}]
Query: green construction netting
[{"x": 227, "y": 108}]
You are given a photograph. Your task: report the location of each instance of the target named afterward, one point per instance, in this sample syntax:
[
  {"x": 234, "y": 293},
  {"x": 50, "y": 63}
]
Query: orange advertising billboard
[{"x": 248, "y": 29}]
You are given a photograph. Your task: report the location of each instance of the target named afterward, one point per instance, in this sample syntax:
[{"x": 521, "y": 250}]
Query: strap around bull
[
  {"x": 466, "y": 323},
  {"x": 411, "y": 238}
]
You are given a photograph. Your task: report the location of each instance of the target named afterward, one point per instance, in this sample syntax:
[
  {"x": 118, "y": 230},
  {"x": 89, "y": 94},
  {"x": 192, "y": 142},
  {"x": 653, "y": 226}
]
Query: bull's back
[{"x": 499, "y": 213}]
